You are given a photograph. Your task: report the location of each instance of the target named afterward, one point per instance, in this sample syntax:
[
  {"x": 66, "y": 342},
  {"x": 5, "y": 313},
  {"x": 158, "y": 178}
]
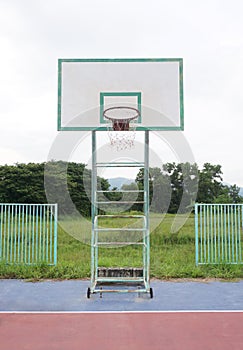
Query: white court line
[{"x": 121, "y": 312}]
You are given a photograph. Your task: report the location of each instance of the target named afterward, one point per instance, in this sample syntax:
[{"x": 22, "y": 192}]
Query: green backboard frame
[{"x": 103, "y": 93}]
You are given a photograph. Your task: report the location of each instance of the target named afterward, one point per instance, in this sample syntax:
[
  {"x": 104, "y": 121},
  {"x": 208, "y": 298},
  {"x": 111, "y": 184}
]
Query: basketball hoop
[{"x": 121, "y": 127}]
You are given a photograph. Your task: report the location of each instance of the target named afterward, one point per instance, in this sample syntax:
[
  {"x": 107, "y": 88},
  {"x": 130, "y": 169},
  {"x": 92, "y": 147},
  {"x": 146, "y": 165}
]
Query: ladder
[{"x": 123, "y": 279}]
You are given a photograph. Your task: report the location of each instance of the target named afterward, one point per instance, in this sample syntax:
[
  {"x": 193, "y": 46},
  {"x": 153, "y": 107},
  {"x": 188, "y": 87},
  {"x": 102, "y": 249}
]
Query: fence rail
[
  {"x": 28, "y": 233},
  {"x": 219, "y": 233}
]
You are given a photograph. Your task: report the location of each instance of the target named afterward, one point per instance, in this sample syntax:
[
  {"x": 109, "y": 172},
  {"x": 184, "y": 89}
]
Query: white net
[{"x": 121, "y": 126}]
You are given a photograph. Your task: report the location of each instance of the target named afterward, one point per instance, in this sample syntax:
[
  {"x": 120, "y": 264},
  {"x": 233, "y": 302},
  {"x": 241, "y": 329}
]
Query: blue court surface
[{"x": 70, "y": 295}]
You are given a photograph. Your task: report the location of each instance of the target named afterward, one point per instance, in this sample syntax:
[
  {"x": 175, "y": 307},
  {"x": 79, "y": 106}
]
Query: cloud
[{"x": 33, "y": 34}]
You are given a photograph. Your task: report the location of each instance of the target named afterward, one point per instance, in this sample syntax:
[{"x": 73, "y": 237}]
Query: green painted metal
[
  {"x": 103, "y": 128},
  {"x": 60, "y": 60},
  {"x": 146, "y": 211},
  {"x": 59, "y": 98},
  {"x": 97, "y": 231},
  {"x": 28, "y": 233},
  {"x": 181, "y": 95},
  {"x": 93, "y": 213},
  {"x": 218, "y": 233},
  {"x": 120, "y": 164},
  {"x": 104, "y": 94}
]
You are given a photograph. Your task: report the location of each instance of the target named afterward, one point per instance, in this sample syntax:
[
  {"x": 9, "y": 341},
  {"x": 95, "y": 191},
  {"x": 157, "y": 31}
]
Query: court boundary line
[{"x": 122, "y": 312}]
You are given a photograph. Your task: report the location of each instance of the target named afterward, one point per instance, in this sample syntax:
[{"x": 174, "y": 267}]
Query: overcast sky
[{"x": 207, "y": 34}]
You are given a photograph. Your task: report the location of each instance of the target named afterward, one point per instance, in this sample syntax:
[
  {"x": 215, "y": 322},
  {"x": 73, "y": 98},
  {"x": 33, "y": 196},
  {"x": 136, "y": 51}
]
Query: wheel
[
  {"x": 151, "y": 293},
  {"x": 88, "y": 293}
]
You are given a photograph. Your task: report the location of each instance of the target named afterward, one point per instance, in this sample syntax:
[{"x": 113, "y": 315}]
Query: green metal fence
[
  {"x": 219, "y": 233},
  {"x": 28, "y": 233}
]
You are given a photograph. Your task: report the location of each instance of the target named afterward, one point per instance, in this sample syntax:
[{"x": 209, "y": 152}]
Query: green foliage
[
  {"x": 184, "y": 184},
  {"x": 234, "y": 194},
  {"x": 211, "y": 188},
  {"x": 22, "y": 183},
  {"x": 68, "y": 184},
  {"x": 176, "y": 187},
  {"x": 173, "y": 187},
  {"x": 79, "y": 187},
  {"x": 172, "y": 256},
  {"x": 210, "y": 183}
]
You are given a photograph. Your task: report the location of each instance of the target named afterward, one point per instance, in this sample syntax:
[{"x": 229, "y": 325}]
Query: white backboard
[{"x": 86, "y": 87}]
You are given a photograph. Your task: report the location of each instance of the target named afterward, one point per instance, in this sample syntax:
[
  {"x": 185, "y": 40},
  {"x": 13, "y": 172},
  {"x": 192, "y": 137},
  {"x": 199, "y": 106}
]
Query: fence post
[
  {"x": 196, "y": 232},
  {"x": 55, "y": 234}
]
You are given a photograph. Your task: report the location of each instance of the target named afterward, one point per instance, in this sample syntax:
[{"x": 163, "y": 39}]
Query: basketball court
[
  {"x": 119, "y": 97},
  {"x": 182, "y": 315}
]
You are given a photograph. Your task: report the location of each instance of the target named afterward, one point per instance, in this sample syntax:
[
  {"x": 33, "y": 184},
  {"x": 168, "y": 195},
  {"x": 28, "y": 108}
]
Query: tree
[
  {"x": 184, "y": 185},
  {"x": 161, "y": 193},
  {"x": 79, "y": 187},
  {"x": 59, "y": 186},
  {"x": 22, "y": 183},
  {"x": 153, "y": 175},
  {"x": 234, "y": 193},
  {"x": 229, "y": 194},
  {"x": 210, "y": 183},
  {"x": 68, "y": 184}
]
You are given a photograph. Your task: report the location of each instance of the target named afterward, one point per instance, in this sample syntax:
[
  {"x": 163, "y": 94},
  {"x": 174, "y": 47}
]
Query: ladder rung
[
  {"x": 119, "y": 202},
  {"x": 119, "y": 229},
  {"x": 121, "y": 191},
  {"x": 121, "y": 216},
  {"x": 117, "y": 243},
  {"x": 120, "y": 164},
  {"x": 119, "y": 279}
]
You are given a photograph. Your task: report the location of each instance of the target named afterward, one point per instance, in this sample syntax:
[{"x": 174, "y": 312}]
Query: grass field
[{"x": 171, "y": 255}]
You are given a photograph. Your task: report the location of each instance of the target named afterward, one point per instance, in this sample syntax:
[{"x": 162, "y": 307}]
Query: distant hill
[{"x": 119, "y": 181}]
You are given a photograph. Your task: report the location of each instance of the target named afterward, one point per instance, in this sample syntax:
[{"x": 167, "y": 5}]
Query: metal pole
[
  {"x": 196, "y": 232},
  {"x": 55, "y": 234},
  {"x": 146, "y": 207},
  {"x": 93, "y": 208}
]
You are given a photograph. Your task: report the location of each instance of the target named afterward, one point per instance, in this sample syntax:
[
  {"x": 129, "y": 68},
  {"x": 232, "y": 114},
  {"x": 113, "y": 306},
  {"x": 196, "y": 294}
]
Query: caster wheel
[
  {"x": 151, "y": 293},
  {"x": 88, "y": 293}
]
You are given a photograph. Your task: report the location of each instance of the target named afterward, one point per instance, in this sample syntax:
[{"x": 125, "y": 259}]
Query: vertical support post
[
  {"x": 8, "y": 236},
  {"x": 235, "y": 233},
  {"x": 196, "y": 232},
  {"x": 222, "y": 232},
  {"x": 146, "y": 208},
  {"x": 240, "y": 230},
  {"x": 219, "y": 232},
  {"x": 11, "y": 233},
  {"x": 15, "y": 233},
  {"x": 37, "y": 257},
  {"x": 93, "y": 209},
  {"x": 5, "y": 232},
  {"x": 55, "y": 234},
  {"x": 1, "y": 232},
  {"x": 51, "y": 231},
  {"x": 216, "y": 237},
  {"x": 27, "y": 234}
]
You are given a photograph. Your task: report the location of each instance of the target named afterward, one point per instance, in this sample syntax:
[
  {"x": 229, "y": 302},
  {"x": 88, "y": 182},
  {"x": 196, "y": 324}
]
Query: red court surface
[{"x": 122, "y": 330}]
